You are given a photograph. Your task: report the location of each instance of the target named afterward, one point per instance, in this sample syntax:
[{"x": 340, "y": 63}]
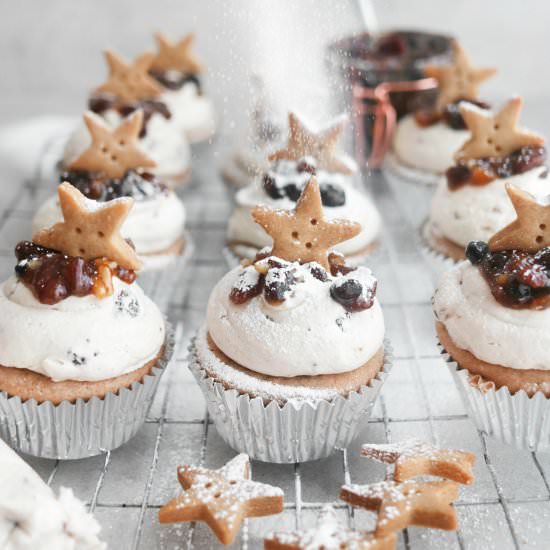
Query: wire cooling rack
[{"x": 507, "y": 508}]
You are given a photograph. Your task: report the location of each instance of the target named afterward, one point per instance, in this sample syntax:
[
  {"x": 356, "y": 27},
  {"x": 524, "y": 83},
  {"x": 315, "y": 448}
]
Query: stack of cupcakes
[
  {"x": 307, "y": 153},
  {"x": 114, "y": 166},
  {"x": 471, "y": 202},
  {"x": 425, "y": 141}
]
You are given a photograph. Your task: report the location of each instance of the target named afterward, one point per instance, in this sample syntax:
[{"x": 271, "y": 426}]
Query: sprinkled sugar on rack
[{"x": 508, "y": 507}]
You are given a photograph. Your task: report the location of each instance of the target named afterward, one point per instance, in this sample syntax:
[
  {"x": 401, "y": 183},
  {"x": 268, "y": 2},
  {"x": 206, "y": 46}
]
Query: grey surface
[{"x": 508, "y": 506}]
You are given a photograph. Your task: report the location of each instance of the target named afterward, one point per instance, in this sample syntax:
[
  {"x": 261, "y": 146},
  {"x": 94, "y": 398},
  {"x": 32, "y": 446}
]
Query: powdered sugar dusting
[{"x": 329, "y": 534}]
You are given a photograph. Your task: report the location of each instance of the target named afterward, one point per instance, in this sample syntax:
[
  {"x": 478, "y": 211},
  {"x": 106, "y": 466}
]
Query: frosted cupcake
[
  {"x": 493, "y": 322},
  {"x": 114, "y": 166},
  {"x": 81, "y": 346},
  {"x": 129, "y": 88},
  {"x": 425, "y": 141},
  {"x": 471, "y": 202},
  {"x": 178, "y": 71},
  {"x": 306, "y": 154},
  {"x": 292, "y": 355}
]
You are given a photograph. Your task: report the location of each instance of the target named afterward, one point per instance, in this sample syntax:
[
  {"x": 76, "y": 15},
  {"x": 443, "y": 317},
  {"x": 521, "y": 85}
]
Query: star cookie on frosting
[
  {"x": 530, "y": 231},
  {"x": 401, "y": 505},
  {"x": 329, "y": 534},
  {"x": 303, "y": 234},
  {"x": 414, "y": 458},
  {"x": 113, "y": 151},
  {"x": 130, "y": 82},
  {"x": 90, "y": 229},
  {"x": 222, "y": 498},
  {"x": 302, "y": 142},
  {"x": 176, "y": 56},
  {"x": 494, "y": 135},
  {"x": 458, "y": 80}
]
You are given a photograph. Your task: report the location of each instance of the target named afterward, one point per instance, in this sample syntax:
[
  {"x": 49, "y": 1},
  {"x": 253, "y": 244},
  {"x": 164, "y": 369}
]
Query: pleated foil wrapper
[
  {"x": 169, "y": 284},
  {"x": 412, "y": 189},
  {"x": 515, "y": 419},
  {"x": 296, "y": 431},
  {"x": 83, "y": 428},
  {"x": 438, "y": 262}
]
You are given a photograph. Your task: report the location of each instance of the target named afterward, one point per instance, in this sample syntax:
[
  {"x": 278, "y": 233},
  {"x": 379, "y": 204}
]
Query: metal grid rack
[{"x": 507, "y": 508}]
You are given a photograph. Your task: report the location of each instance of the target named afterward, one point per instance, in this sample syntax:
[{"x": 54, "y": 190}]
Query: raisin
[
  {"x": 292, "y": 191},
  {"x": 457, "y": 176},
  {"x": 347, "y": 292},
  {"x": 476, "y": 252},
  {"x": 332, "y": 195}
]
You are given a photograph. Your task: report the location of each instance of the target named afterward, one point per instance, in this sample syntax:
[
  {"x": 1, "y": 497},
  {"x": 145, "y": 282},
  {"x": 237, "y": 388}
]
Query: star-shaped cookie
[
  {"x": 458, "y": 80},
  {"x": 400, "y": 505},
  {"x": 494, "y": 135},
  {"x": 175, "y": 56},
  {"x": 303, "y": 234},
  {"x": 530, "y": 231},
  {"x": 303, "y": 142},
  {"x": 414, "y": 458},
  {"x": 130, "y": 82},
  {"x": 222, "y": 498},
  {"x": 90, "y": 229},
  {"x": 113, "y": 151},
  {"x": 329, "y": 534}
]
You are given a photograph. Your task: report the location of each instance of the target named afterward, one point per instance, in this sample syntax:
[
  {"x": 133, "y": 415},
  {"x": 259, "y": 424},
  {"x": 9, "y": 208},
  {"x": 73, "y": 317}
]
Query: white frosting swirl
[
  {"x": 163, "y": 142},
  {"x": 79, "y": 338},
  {"x": 192, "y": 113},
  {"x": 477, "y": 212},
  {"x": 153, "y": 224},
  {"x": 32, "y": 516},
  {"x": 429, "y": 148},
  {"x": 308, "y": 334},
  {"x": 476, "y": 322},
  {"x": 358, "y": 207}
]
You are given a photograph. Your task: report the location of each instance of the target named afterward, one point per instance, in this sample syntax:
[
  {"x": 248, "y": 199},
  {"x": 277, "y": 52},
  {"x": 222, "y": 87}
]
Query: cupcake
[
  {"x": 177, "y": 70},
  {"x": 114, "y": 166},
  {"x": 426, "y": 140},
  {"x": 307, "y": 153},
  {"x": 129, "y": 88},
  {"x": 81, "y": 346},
  {"x": 471, "y": 203},
  {"x": 492, "y": 321},
  {"x": 292, "y": 354}
]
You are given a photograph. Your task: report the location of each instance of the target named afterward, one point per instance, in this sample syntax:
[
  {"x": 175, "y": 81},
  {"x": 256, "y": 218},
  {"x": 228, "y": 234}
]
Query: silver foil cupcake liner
[
  {"x": 169, "y": 284},
  {"x": 83, "y": 428},
  {"x": 438, "y": 262},
  {"x": 515, "y": 419},
  {"x": 412, "y": 189},
  {"x": 295, "y": 431}
]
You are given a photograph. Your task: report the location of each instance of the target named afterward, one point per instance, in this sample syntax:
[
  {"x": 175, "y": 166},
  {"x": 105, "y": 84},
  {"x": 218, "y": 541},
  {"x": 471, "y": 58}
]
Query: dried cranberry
[
  {"x": 458, "y": 176},
  {"x": 332, "y": 195},
  {"x": 527, "y": 158},
  {"x": 391, "y": 46},
  {"x": 476, "y": 252},
  {"x": 306, "y": 164}
]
